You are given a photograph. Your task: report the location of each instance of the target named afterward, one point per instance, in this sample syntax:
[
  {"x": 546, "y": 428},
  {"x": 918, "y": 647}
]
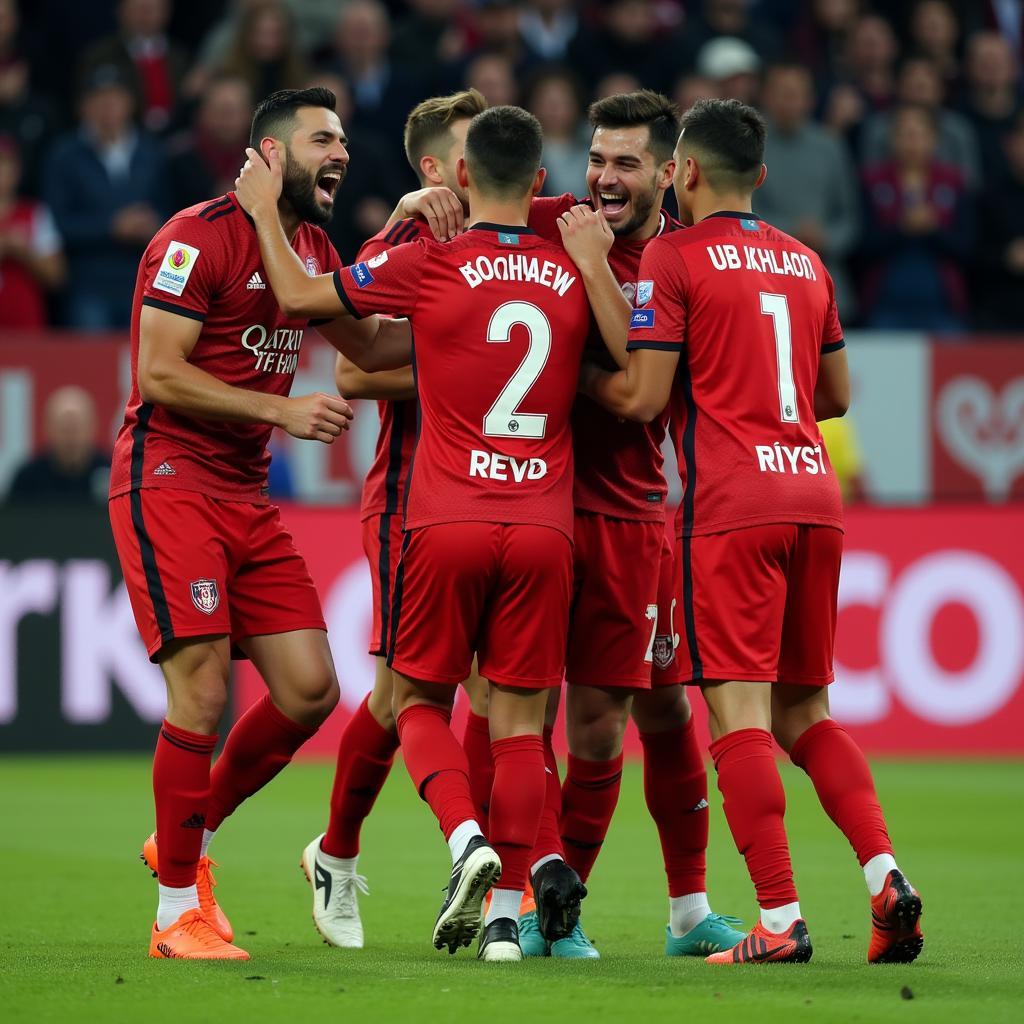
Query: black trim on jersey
[
  {"x": 690, "y": 461},
  {"x": 396, "y": 604},
  {"x": 833, "y": 346},
  {"x": 221, "y": 213},
  {"x": 394, "y": 229},
  {"x": 505, "y": 229},
  {"x": 345, "y": 300},
  {"x": 738, "y": 214},
  {"x": 154, "y": 585},
  {"x": 171, "y": 307},
  {"x": 409, "y": 235},
  {"x": 214, "y": 206},
  {"x": 391, "y": 477},
  {"x": 658, "y": 346}
]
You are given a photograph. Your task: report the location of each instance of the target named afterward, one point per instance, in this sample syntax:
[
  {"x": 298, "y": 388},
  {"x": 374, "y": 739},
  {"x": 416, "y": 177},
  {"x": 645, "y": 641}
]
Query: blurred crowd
[{"x": 896, "y": 143}]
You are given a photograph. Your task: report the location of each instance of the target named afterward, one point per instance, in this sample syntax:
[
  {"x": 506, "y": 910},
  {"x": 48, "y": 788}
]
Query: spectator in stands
[
  {"x": 935, "y": 34},
  {"x": 820, "y": 36},
  {"x": 614, "y": 83},
  {"x": 496, "y": 30},
  {"x": 554, "y": 98},
  {"x": 71, "y": 467},
  {"x": 31, "y": 260},
  {"x": 493, "y": 75},
  {"x": 999, "y": 260},
  {"x": 204, "y": 162},
  {"x": 732, "y": 66},
  {"x": 736, "y": 19},
  {"x": 811, "y": 188},
  {"x": 106, "y": 186},
  {"x": 265, "y": 50},
  {"x": 146, "y": 57},
  {"x": 428, "y": 37},
  {"x": 992, "y": 98},
  {"x": 917, "y": 232},
  {"x": 691, "y": 88},
  {"x": 549, "y": 28},
  {"x": 921, "y": 85},
  {"x": 26, "y": 117}
]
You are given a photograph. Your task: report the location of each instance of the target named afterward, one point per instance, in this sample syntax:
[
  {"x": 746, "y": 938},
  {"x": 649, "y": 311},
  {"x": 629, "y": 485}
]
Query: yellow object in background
[{"x": 844, "y": 453}]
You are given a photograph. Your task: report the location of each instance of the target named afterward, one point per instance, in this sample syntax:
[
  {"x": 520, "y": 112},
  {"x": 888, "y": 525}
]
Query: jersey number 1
[
  {"x": 502, "y": 419},
  {"x": 777, "y": 308}
]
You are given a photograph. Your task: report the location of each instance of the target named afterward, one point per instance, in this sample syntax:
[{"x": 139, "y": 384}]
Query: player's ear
[
  {"x": 538, "y": 181},
  {"x": 430, "y": 171},
  {"x": 692, "y": 174},
  {"x": 461, "y": 174},
  {"x": 668, "y": 173},
  {"x": 761, "y": 176},
  {"x": 268, "y": 144}
]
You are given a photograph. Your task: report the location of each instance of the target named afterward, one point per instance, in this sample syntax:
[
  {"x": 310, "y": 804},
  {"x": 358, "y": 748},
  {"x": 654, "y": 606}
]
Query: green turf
[{"x": 77, "y": 905}]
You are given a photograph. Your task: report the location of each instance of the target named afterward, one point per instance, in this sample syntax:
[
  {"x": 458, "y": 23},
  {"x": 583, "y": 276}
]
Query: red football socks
[
  {"x": 365, "y": 756},
  {"x": 181, "y": 788},
  {"x": 476, "y": 741},
  {"x": 843, "y": 782},
  {"x": 589, "y": 795},
  {"x": 259, "y": 745},
  {"x": 755, "y": 806},
  {"x": 437, "y": 764},
  {"x": 517, "y": 802},
  {"x": 549, "y": 833},
  {"x": 676, "y": 788}
]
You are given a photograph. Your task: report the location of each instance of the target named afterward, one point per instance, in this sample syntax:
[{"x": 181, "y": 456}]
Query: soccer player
[
  {"x": 735, "y": 325},
  {"x": 210, "y": 569},
  {"x": 500, "y": 319},
  {"x": 621, "y": 657},
  {"x": 435, "y": 138}
]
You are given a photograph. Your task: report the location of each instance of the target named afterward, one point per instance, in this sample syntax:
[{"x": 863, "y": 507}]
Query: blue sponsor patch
[
  {"x": 642, "y": 318},
  {"x": 505, "y": 238},
  {"x": 748, "y": 224},
  {"x": 361, "y": 274}
]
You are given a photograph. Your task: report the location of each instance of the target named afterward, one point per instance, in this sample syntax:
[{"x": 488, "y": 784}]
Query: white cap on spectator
[{"x": 726, "y": 56}]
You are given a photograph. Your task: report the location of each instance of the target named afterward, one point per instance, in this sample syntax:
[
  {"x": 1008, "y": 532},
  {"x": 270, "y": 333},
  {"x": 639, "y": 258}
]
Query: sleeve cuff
[
  {"x": 833, "y": 346},
  {"x": 345, "y": 300},
  {"x": 172, "y": 307},
  {"x": 658, "y": 346}
]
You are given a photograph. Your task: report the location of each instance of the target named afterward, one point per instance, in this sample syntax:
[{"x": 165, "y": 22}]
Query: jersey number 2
[
  {"x": 502, "y": 419},
  {"x": 777, "y": 308}
]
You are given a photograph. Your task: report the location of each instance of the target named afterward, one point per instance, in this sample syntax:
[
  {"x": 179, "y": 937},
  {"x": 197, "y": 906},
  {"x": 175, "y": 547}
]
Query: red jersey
[
  {"x": 619, "y": 464},
  {"x": 500, "y": 317},
  {"x": 751, "y": 310},
  {"x": 384, "y": 487},
  {"x": 205, "y": 264}
]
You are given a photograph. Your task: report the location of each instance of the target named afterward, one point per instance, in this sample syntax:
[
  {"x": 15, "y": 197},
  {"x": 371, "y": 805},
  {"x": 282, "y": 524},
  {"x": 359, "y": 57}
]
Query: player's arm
[
  {"x": 373, "y": 344},
  {"x": 167, "y": 378},
  {"x": 587, "y": 239},
  {"x": 832, "y": 388},
  {"x": 640, "y": 391},
  {"x": 258, "y": 189},
  {"x": 390, "y": 385},
  {"x": 439, "y": 206}
]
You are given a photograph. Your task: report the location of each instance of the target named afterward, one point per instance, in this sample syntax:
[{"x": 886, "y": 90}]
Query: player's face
[
  {"x": 316, "y": 164},
  {"x": 457, "y": 151},
  {"x": 623, "y": 179}
]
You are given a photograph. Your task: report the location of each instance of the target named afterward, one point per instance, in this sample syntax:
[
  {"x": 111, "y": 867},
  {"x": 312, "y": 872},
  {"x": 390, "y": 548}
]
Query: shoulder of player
[
  {"x": 208, "y": 221},
  {"x": 409, "y": 229}
]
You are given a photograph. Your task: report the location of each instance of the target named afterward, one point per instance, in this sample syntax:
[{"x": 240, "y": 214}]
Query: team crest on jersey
[
  {"x": 663, "y": 651},
  {"x": 644, "y": 292},
  {"x": 378, "y": 260},
  {"x": 205, "y": 596},
  {"x": 313, "y": 266},
  {"x": 629, "y": 290}
]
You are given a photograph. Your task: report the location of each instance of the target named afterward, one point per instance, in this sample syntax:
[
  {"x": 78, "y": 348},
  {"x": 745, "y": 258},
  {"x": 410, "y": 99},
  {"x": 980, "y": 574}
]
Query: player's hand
[
  {"x": 258, "y": 185},
  {"x": 440, "y": 207},
  {"x": 586, "y": 236},
  {"x": 317, "y": 417}
]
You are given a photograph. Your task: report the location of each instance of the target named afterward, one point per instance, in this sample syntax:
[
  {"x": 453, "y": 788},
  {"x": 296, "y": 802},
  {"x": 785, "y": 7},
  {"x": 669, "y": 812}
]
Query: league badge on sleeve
[
  {"x": 641, "y": 318},
  {"x": 178, "y": 263},
  {"x": 379, "y": 260},
  {"x": 205, "y": 596},
  {"x": 361, "y": 274},
  {"x": 644, "y": 292}
]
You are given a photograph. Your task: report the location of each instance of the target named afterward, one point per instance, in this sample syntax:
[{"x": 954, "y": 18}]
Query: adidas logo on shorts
[
  {"x": 256, "y": 282},
  {"x": 164, "y": 469}
]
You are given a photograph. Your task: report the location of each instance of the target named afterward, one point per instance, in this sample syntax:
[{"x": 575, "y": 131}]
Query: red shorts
[
  {"x": 382, "y": 542},
  {"x": 500, "y": 590},
  {"x": 759, "y": 604},
  {"x": 621, "y": 626},
  {"x": 198, "y": 566}
]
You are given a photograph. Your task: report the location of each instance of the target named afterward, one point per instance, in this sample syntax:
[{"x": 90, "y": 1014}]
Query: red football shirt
[
  {"x": 205, "y": 264},
  {"x": 499, "y": 318},
  {"x": 751, "y": 310},
  {"x": 384, "y": 487},
  {"x": 619, "y": 464}
]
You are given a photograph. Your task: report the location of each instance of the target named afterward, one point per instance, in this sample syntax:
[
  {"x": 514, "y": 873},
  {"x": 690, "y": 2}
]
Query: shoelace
[
  {"x": 345, "y": 892},
  {"x": 199, "y": 928},
  {"x": 726, "y": 918},
  {"x": 206, "y": 864}
]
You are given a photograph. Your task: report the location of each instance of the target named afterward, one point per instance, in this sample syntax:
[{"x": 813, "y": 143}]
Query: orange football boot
[
  {"x": 895, "y": 922},
  {"x": 192, "y": 937},
  {"x": 764, "y": 947},
  {"x": 205, "y": 883}
]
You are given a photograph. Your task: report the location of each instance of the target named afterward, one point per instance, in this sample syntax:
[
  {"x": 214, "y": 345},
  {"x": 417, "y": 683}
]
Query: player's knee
[
  {"x": 662, "y": 709},
  {"x": 314, "y": 695},
  {"x": 199, "y": 706},
  {"x": 598, "y": 738}
]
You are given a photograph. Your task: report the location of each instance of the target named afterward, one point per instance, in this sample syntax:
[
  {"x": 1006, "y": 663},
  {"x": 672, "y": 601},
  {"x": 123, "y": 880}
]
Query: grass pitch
[{"x": 77, "y": 906}]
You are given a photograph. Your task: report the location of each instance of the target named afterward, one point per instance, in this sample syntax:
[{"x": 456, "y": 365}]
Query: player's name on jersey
[
  {"x": 492, "y": 466},
  {"x": 784, "y": 458},
  {"x": 517, "y": 266},
  {"x": 764, "y": 261}
]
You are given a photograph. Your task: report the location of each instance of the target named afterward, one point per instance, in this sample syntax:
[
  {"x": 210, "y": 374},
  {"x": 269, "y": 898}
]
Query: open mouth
[
  {"x": 613, "y": 203},
  {"x": 327, "y": 185}
]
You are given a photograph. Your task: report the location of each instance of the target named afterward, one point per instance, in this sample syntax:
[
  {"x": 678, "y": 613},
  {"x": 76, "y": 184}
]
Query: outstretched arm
[
  {"x": 390, "y": 385},
  {"x": 373, "y": 344},
  {"x": 640, "y": 391}
]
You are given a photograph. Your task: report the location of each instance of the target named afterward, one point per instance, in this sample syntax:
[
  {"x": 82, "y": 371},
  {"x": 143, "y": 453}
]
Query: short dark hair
[
  {"x": 645, "y": 107},
  {"x": 730, "y": 137},
  {"x": 430, "y": 121},
  {"x": 503, "y": 150},
  {"x": 275, "y": 116}
]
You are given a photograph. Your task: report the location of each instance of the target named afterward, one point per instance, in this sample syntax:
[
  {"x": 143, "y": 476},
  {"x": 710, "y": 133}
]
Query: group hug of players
[{"x": 529, "y": 355}]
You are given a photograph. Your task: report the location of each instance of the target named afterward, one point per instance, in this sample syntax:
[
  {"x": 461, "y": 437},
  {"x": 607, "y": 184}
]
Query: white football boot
[{"x": 335, "y": 898}]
